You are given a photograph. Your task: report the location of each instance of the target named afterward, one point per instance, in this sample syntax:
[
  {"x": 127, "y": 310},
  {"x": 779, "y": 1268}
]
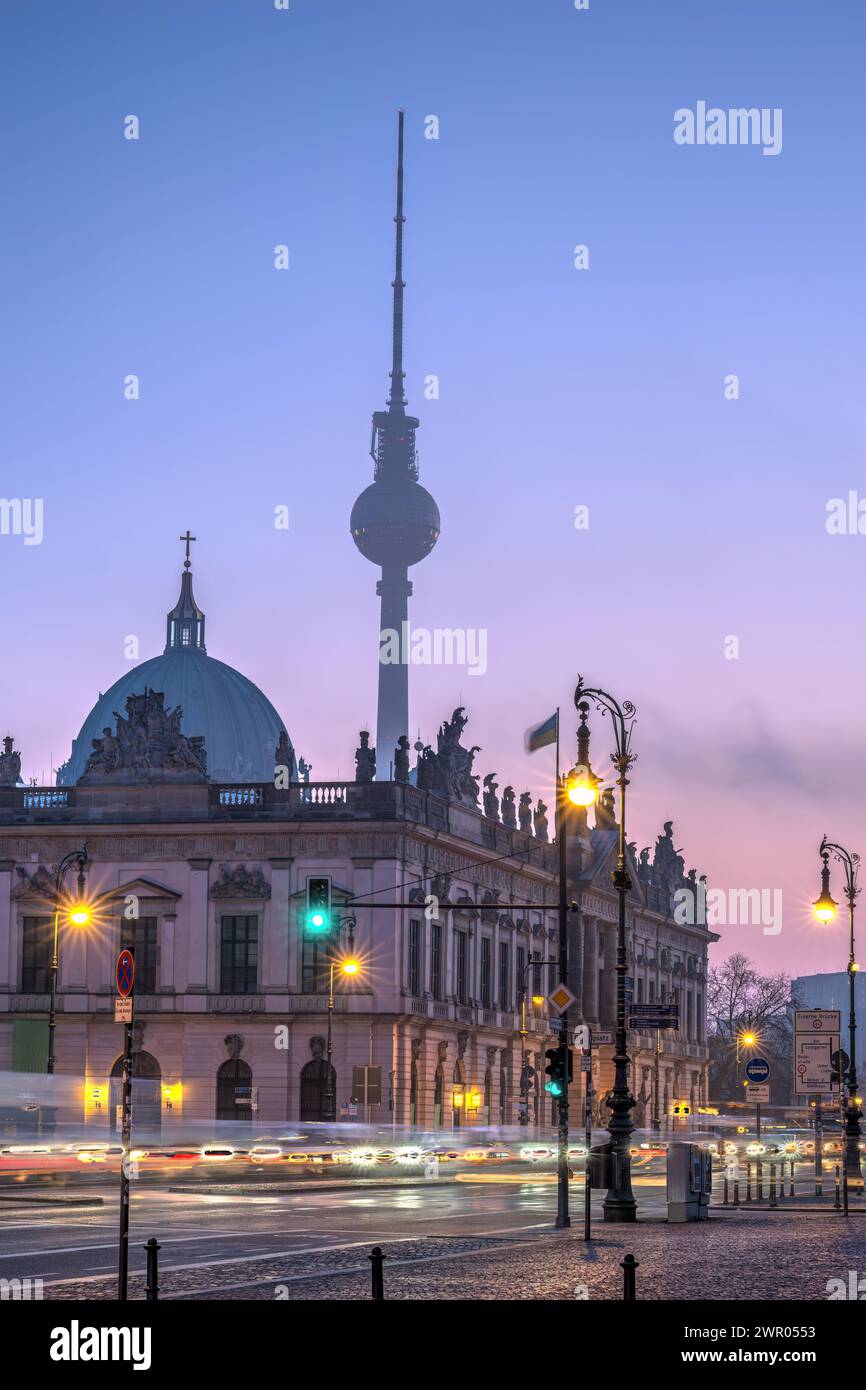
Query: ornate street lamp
[
  {"x": 824, "y": 909},
  {"x": 78, "y": 914},
  {"x": 619, "y": 1204}
]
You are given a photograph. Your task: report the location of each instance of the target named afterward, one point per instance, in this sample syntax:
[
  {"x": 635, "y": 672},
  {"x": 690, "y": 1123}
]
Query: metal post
[
  {"x": 772, "y": 1184},
  {"x": 837, "y": 1205},
  {"x": 587, "y": 1182},
  {"x": 562, "y": 1216},
  {"x": 152, "y": 1289},
  {"x": 330, "y": 1098},
  {"x": 52, "y": 1008},
  {"x": 819, "y": 1149},
  {"x": 791, "y": 1188},
  {"x": 126, "y": 1130},
  {"x": 629, "y": 1266},
  {"x": 725, "y": 1192},
  {"x": 748, "y": 1180},
  {"x": 376, "y": 1259},
  {"x": 759, "y": 1165},
  {"x": 736, "y": 1187}
]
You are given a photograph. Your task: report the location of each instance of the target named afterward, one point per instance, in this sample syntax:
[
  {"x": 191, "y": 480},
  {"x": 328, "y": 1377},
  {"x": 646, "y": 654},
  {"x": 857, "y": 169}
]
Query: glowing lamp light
[
  {"x": 79, "y": 915},
  {"x": 538, "y": 1000},
  {"x": 748, "y": 1039},
  {"x": 824, "y": 908},
  {"x": 582, "y": 789},
  {"x": 350, "y": 967}
]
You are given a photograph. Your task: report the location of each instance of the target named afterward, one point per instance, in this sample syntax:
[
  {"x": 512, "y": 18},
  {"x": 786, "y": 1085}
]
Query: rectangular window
[
  {"x": 239, "y": 954},
  {"x": 37, "y": 937},
  {"x": 140, "y": 935},
  {"x": 536, "y": 972},
  {"x": 436, "y": 959},
  {"x": 485, "y": 972},
  {"x": 460, "y": 976},
  {"x": 522, "y": 981},
  {"x": 640, "y": 991},
  {"x": 652, "y": 991},
  {"x": 700, "y": 1018},
  {"x": 602, "y": 1002},
  {"x": 415, "y": 957},
  {"x": 504, "y": 981},
  {"x": 689, "y": 1004}
]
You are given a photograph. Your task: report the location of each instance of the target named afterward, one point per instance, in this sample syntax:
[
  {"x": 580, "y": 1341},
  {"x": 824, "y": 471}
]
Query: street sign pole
[
  {"x": 819, "y": 1148},
  {"x": 125, "y": 974}
]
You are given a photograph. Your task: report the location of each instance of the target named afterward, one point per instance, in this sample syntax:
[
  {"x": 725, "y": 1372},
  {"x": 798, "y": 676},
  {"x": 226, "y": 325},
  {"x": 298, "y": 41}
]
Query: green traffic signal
[{"x": 318, "y": 915}]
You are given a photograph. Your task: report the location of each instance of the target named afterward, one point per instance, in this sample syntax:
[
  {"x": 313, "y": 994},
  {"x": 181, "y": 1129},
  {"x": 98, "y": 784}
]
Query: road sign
[
  {"x": 366, "y": 1085},
  {"x": 122, "y": 1009},
  {"x": 758, "y": 1069},
  {"x": 125, "y": 973},
  {"x": 758, "y": 1093},
  {"x": 561, "y": 998},
  {"x": 586, "y": 1062},
  {"x": 602, "y": 1038},
  {"x": 645, "y": 1018},
  {"x": 817, "y": 1021},
  {"x": 813, "y": 1065}
]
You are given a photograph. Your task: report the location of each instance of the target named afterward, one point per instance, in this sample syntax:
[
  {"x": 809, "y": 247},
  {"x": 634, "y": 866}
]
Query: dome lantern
[{"x": 184, "y": 627}]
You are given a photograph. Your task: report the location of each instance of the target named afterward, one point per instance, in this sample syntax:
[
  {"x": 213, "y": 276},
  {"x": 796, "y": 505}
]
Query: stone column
[
  {"x": 590, "y": 970},
  {"x": 197, "y": 928},
  {"x": 608, "y": 1004},
  {"x": 276, "y": 945},
  {"x": 8, "y": 945}
]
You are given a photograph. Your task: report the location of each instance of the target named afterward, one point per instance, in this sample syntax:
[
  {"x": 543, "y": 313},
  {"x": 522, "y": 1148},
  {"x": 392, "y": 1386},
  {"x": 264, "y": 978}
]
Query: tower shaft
[{"x": 394, "y": 588}]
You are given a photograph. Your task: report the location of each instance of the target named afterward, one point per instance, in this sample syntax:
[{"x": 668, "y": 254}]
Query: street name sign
[{"x": 817, "y": 1021}]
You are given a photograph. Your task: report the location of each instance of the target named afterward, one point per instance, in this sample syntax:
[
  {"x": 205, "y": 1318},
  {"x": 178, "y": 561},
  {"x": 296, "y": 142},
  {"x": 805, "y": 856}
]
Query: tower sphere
[{"x": 395, "y": 522}]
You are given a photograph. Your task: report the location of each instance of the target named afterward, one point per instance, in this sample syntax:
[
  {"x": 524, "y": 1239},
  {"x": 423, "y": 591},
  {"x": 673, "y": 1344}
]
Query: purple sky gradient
[{"x": 558, "y": 387}]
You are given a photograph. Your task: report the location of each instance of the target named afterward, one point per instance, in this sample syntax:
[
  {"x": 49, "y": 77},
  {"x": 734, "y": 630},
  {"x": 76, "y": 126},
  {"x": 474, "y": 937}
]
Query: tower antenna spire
[{"x": 396, "y": 399}]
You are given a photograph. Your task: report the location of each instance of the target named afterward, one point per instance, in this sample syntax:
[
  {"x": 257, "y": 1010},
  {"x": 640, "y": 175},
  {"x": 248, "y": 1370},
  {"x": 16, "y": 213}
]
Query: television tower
[{"x": 395, "y": 521}]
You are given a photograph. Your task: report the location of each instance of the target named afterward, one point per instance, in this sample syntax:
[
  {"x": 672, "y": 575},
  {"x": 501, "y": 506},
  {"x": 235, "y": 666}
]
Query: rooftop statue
[
  {"x": 401, "y": 760},
  {"x": 10, "y": 764},
  {"x": 365, "y": 759},
  {"x": 448, "y": 772},
  {"x": 148, "y": 740},
  {"x": 524, "y": 812}
]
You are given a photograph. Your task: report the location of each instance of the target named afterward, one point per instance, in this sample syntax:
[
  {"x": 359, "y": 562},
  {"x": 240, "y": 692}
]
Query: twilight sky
[{"x": 558, "y": 387}]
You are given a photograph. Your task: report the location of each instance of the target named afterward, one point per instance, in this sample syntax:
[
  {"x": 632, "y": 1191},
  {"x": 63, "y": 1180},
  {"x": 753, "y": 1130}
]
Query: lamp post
[
  {"x": 619, "y": 1204},
  {"x": 748, "y": 1040},
  {"x": 825, "y": 911},
  {"x": 79, "y": 915},
  {"x": 348, "y": 966}
]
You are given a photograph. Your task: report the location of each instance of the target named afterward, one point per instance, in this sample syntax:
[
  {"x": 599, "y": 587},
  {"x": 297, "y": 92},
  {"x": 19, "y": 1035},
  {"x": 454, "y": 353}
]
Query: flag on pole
[{"x": 542, "y": 734}]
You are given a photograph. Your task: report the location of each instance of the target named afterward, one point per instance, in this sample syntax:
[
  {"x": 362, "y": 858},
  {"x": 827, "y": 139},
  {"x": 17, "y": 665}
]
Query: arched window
[
  {"x": 316, "y": 1102},
  {"x": 234, "y": 1090},
  {"x": 438, "y": 1093},
  {"x": 456, "y": 1110},
  {"x": 146, "y": 1092}
]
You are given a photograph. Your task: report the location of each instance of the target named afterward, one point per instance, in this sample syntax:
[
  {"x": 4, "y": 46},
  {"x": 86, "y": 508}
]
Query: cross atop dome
[{"x": 187, "y": 539}]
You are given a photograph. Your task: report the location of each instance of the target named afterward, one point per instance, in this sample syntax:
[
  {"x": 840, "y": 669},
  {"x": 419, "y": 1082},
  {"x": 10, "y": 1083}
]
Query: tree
[{"x": 741, "y": 1000}]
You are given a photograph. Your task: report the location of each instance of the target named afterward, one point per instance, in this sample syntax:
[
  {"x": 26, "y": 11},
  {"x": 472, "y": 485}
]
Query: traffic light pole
[{"x": 562, "y": 1217}]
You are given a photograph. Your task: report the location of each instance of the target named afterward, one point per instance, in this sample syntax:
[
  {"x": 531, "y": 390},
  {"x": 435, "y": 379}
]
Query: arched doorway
[
  {"x": 314, "y": 1090},
  {"x": 234, "y": 1090},
  {"x": 146, "y": 1093}
]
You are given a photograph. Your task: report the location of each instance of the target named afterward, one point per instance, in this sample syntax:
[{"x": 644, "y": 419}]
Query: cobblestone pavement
[{"x": 734, "y": 1256}]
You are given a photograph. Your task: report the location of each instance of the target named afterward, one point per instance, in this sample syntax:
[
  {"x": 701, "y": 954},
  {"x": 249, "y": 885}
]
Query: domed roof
[{"x": 241, "y": 728}]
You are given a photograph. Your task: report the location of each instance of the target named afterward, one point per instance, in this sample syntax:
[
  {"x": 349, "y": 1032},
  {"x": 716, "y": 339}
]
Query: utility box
[
  {"x": 690, "y": 1180},
  {"x": 601, "y": 1166}
]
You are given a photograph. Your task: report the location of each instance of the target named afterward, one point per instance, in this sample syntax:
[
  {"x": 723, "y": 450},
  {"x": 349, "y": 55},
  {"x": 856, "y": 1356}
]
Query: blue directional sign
[{"x": 758, "y": 1069}]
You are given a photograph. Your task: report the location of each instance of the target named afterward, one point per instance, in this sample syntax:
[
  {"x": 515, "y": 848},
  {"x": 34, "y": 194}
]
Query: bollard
[
  {"x": 151, "y": 1292},
  {"x": 782, "y": 1183},
  {"x": 737, "y": 1188},
  {"x": 376, "y": 1258},
  {"x": 628, "y": 1267},
  {"x": 837, "y": 1205},
  {"x": 759, "y": 1181},
  {"x": 725, "y": 1192},
  {"x": 791, "y": 1187},
  {"x": 772, "y": 1185},
  {"x": 748, "y": 1181}
]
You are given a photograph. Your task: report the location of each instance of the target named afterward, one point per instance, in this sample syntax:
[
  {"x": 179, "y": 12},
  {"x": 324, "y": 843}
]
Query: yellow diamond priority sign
[{"x": 561, "y": 998}]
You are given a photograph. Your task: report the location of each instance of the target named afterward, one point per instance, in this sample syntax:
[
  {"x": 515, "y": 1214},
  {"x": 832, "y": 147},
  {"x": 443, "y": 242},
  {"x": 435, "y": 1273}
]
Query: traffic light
[
  {"x": 318, "y": 917},
  {"x": 559, "y": 1070}
]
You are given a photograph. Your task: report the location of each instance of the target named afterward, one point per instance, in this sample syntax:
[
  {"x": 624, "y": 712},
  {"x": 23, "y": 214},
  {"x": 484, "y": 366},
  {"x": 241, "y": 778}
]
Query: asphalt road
[{"x": 224, "y": 1230}]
